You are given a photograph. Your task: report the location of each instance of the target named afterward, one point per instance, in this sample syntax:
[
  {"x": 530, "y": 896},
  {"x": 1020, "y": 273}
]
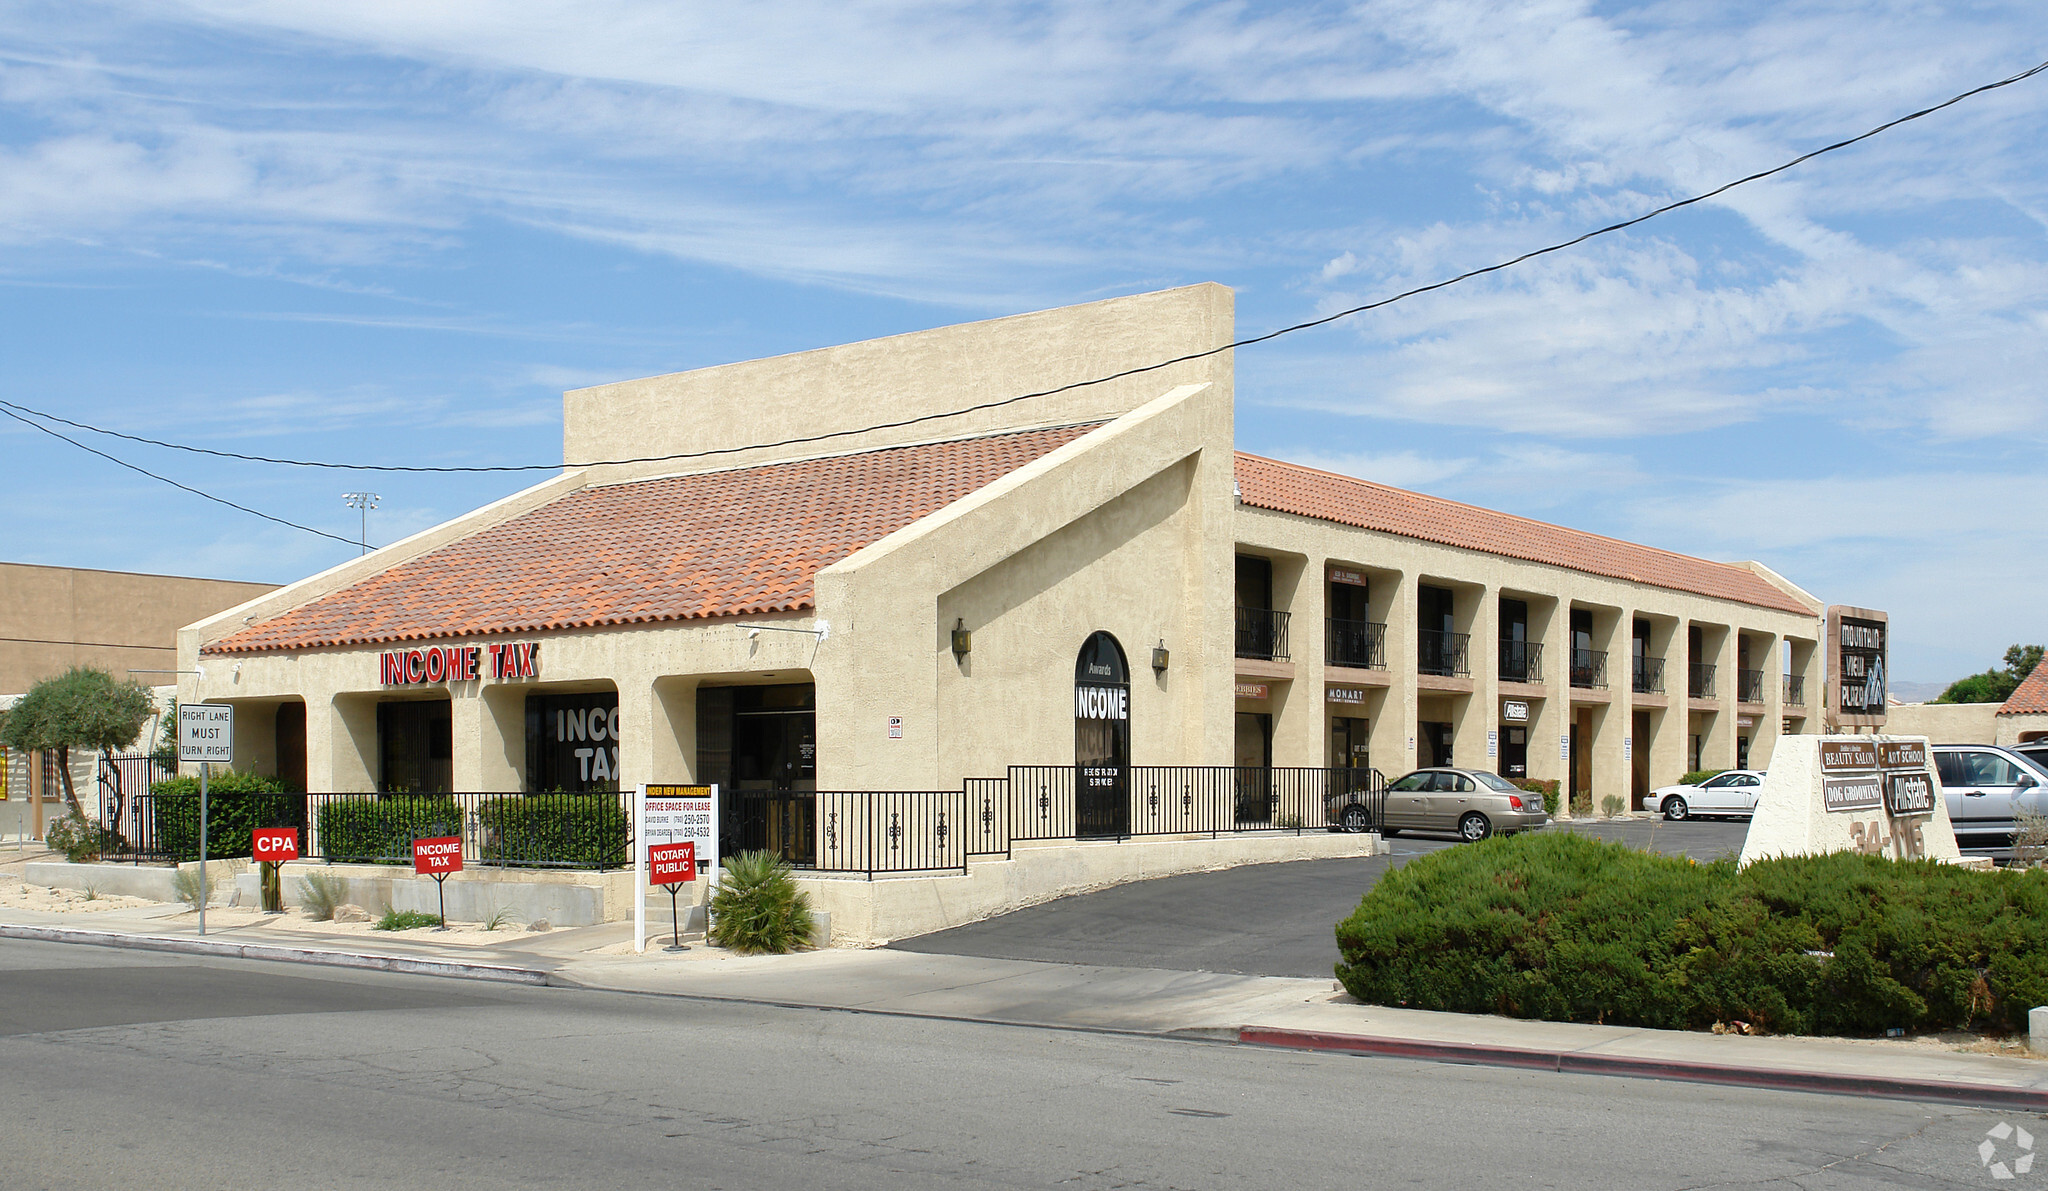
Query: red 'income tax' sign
[
  {"x": 439, "y": 855},
  {"x": 274, "y": 844},
  {"x": 672, "y": 864}
]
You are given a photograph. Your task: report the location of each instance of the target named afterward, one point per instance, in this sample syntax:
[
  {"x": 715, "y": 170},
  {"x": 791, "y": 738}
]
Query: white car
[{"x": 1732, "y": 792}]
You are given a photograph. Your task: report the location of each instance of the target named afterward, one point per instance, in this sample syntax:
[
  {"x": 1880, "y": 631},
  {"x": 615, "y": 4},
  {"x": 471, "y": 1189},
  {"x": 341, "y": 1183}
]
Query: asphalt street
[
  {"x": 1256, "y": 920},
  {"x": 125, "y": 1069}
]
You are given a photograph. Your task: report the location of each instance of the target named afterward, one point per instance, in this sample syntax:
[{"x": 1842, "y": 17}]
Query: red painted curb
[{"x": 1582, "y": 1063}]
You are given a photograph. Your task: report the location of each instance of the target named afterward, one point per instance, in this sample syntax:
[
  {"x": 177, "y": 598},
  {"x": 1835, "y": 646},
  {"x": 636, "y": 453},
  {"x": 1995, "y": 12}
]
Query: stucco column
[
  {"x": 341, "y": 745},
  {"x": 673, "y": 740},
  {"x": 1482, "y": 711},
  {"x": 637, "y": 728},
  {"x": 1393, "y": 734},
  {"x": 1549, "y": 727},
  {"x": 1720, "y": 747},
  {"x": 488, "y": 735},
  {"x": 1763, "y": 738}
]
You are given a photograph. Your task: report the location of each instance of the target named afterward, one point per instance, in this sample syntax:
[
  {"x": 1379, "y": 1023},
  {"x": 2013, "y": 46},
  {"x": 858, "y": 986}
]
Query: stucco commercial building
[{"x": 900, "y": 597}]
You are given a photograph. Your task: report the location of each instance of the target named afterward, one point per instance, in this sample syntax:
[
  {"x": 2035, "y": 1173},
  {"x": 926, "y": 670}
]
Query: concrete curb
[
  {"x": 1683, "y": 1070},
  {"x": 268, "y": 951}
]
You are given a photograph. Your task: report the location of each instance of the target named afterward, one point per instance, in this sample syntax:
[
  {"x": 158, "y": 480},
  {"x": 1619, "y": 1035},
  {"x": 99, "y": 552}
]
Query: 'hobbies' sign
[
  {"x": 458, "y": 663},
  {"x": 437, "y": 857}
]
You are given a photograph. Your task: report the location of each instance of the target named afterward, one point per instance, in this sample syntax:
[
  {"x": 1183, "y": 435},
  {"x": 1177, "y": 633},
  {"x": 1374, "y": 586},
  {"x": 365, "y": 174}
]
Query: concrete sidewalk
[{"x": 1261, "y": 1010}]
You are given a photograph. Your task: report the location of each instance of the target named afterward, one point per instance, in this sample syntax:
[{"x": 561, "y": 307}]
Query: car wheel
[
  {"x": 1357, "y": 818},
  {"x": 1474, "y": 827},
  {"x": 1675, "y": 808}
]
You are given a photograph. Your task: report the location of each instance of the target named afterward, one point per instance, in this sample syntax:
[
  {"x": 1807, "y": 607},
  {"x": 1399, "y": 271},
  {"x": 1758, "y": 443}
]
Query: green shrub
[
  {"x": 757, "y": 908},
  {"x": 405, "y": 920},
  {"x": 581, "y": 830},
  {"x": 236, "y": 803},
  {"x": 1566, "y": 928},
  {"x": 1612, "y": 805},
  {"x": 1549, "y": 790},
  {"x": 380, "y": 829},
  {"x": 1696, "y": 776},
  {"x": 319, "y": 893},
  {"x": 188, "y": 888},
  {"x": 75, "y": 836}
]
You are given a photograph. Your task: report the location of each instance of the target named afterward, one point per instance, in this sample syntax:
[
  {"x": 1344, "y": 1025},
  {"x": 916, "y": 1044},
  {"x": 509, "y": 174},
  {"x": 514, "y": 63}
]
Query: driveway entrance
[{"x": 1256, "y": 920}]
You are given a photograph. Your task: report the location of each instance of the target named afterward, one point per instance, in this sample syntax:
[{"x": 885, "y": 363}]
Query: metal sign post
[
  {"x": 672, "y": 866},
  {"x": 668, "y": 815},
  {"x": 439, "y": 857},
  {"x": 206, "y": 734}
]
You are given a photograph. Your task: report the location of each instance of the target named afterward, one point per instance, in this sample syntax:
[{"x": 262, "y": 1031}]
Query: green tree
[
  {"x": 80, "y": 708},
  {"x": 1995, "y": 685}
]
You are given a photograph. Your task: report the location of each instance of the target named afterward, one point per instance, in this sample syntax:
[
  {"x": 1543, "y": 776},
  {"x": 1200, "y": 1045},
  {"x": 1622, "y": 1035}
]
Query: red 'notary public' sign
[
  {"x": 275, "y": 844},
  {"x": 672, "y": 864},
  {"x": 438, "y": 856}
]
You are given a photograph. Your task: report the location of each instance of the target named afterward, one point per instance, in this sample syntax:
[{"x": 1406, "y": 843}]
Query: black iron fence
[
  {"x": 1649, "y": 675},
  {"x": 126, "y": 820},
  {"x": 1749, "y": 686},
  {"x": 1521, "y": 661},
  {"x": 1795, "y": 690},
  {"x": 867, "y": 833},
  {"x": 1699, "y": 682},
  {"x": 1262, "y": 633},
  {"x": 1589, "y": 669},
  {"x": 1358, "y": 643}
]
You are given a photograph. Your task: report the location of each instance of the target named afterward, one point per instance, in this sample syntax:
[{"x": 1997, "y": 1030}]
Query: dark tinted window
[
  {"x": 1414, "y": 781},
  {"x": 1950, "y": 766}
]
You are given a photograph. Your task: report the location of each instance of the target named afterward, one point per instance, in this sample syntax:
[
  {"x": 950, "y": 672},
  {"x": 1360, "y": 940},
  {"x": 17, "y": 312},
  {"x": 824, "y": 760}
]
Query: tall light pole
[{"x": 364, "y": 501}]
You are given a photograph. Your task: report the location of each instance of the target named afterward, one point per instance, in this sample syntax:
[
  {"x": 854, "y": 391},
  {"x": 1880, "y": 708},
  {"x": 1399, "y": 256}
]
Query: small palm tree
[{"x": 757, "y": 908}]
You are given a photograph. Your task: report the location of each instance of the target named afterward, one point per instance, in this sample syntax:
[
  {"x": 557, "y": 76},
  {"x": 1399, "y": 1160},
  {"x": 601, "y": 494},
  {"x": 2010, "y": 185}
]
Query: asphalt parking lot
[{"x": 1257, "y": 920}]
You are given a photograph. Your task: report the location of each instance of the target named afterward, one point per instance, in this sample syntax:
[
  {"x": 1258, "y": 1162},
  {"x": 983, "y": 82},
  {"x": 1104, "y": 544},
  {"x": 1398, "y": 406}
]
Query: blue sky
[{"x": 396, "y": 231}]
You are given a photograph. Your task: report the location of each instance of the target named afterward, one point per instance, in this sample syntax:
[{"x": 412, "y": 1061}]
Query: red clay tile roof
[
  {"x": 1327, "y": 496},
  {"x": 717, "y": 544},
  {"x": 2031, "y": 696}
]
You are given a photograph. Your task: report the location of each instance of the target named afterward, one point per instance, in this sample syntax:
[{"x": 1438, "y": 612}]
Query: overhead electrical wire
[
  {"x": 16, "y": 410},
  {"x": 173, "y": 483}
]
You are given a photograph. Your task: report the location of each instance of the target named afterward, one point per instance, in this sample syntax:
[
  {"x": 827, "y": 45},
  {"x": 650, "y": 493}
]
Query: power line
[
  {"x": 173, "y": 483},
  {"x": 1560, "y": 246}
]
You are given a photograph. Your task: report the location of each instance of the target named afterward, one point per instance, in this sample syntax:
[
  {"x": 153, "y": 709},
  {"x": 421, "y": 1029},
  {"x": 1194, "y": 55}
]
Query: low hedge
[
  {"x": 236, "y": 803},
  {"x": 1562, "y": 927},
  {"x": 579, "y": 830},
  {"x": 381, "y": 829},
  {"x": 1548, "y": 789},
  {"x": 1694, "y": 777}
]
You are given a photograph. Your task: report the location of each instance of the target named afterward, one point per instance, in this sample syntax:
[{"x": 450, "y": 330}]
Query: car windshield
[
  {"x": 1414, "y": 781},
  {"x": 1497, "y": 782}
]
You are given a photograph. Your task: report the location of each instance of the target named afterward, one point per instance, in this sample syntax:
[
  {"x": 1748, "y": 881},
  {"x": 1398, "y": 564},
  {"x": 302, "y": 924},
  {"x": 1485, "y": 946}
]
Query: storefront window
[
  {"x": 572, "y": 742},
  {"x": 415, "y": 747}
]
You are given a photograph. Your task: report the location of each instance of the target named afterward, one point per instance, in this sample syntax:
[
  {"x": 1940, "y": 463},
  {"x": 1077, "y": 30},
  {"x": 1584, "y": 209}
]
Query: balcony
[
  {"x": 1699, "y": 682},
  {"x": 1521, "y": 661},
  {"x": 1795, "y": 690},
  {"x": 1749, "y": 686},
  {"x": 1649, "y": 676},
  {"x": 1589, "y": 669},
  {"x": 1359, "y": 643},
  {"x": 1444, "y": 654},
  {"x": 1262, "y": 633}
]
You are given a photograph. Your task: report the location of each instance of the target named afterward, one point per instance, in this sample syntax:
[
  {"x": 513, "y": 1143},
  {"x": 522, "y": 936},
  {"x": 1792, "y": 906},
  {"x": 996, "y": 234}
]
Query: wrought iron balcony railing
[
  {"x": 1699, "y": 682},
  {"x": 1359, "y": 643},
  {"x": 1749, "y": 686},
  {"x": 1648, "y": 678},
  {"x": 1795, "y": 690},
  {"x": 1262, "y": 633},
  {"x": 1589, "y": 669},
  {"x": 1443, "y": 654},
  {"x": 1521, "y": 661}
]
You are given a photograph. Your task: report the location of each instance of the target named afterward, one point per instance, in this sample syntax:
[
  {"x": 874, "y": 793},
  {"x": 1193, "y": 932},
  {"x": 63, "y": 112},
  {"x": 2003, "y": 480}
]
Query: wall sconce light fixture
[
  {"x": 963, "y": 641},
  {"x": 1159, "y": 656}
]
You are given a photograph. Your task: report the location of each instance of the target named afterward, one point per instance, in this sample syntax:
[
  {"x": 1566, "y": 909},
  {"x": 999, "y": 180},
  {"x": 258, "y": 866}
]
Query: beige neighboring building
[
  {"x": 54, "y": 618},
  {"x": 1093, "y": 580}
]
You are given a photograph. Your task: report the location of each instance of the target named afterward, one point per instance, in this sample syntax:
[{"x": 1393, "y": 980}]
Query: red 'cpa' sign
[
  {"x": 438, "y": 856},
  {"x": 275, "y": 844},
  {"x": 672, "y": 864}
]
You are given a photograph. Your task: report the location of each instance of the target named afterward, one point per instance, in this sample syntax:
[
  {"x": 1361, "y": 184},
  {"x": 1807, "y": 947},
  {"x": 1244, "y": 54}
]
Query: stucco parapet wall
[
  {"x": 870, "y": 913},
  {"x": 195, "y": 637},
  {"x": 835, "y": 389}
]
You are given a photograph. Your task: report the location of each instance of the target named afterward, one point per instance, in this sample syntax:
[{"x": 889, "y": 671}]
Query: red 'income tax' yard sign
[
  {"x": 275, "y": 844},
  {"x": 672, "y": 864},
  {"x": 438, "y": 856}
]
